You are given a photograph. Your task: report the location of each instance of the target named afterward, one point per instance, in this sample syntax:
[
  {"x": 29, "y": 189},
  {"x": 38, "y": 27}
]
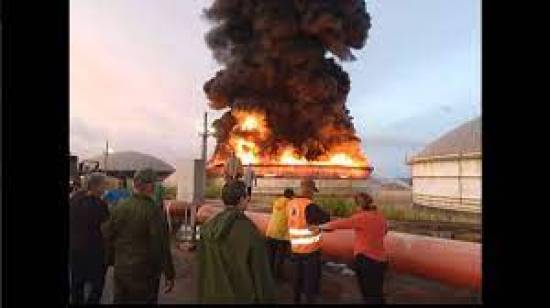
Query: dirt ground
[{"x": 335, "y": 287}]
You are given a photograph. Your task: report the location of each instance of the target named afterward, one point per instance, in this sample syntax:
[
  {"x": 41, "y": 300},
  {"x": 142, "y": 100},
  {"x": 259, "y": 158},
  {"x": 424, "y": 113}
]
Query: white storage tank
[{"x": 446, "y": 174}]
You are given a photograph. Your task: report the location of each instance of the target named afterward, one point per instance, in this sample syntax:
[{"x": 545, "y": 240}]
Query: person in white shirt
[{"x": 249, "y": 179}]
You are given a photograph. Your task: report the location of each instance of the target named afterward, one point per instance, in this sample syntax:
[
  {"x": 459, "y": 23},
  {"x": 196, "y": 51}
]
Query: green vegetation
[
  {"x": 345, "y": 207},
  {"x": 337, "y": 207},
  {"x": 213, "y": 190},
  {"x": 421, "y": 214},
  {"x": 171, "y": 192}
]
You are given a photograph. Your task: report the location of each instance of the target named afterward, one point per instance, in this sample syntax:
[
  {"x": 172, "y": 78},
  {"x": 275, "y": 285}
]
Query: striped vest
[{"x": 302, "y": 238}]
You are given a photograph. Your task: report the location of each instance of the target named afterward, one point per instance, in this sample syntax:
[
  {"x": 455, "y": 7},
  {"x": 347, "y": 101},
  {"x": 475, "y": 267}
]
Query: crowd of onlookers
[{"x": 236, "y": 263}]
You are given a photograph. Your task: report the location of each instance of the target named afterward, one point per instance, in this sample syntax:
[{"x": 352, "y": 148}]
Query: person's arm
[
  {"x": 161, "y": 243},
  {"x": 345, "y": 223},
  {"x": 315, "y": 215}
]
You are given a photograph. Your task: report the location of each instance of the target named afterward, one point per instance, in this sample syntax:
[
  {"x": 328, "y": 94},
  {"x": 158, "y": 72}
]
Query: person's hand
[{"x": 168, "y": 285}]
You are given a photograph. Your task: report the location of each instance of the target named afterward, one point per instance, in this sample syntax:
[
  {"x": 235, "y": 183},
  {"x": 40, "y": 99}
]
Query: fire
[
  {"x": 290, "y": 158},
  {"x": 246, "y": 151},
  {"x": 251, "y": 131},
  {"x": 341, "y": 159},
  {"x": 250, "y": 124}
]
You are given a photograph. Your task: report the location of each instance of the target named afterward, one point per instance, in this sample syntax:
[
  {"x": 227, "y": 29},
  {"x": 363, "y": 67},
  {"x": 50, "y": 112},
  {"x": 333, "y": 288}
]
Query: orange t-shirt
[{"x": 370, "y": 228}]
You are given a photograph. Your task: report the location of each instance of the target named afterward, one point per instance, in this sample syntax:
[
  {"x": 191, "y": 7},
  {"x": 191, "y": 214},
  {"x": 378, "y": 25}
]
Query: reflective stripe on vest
[
  {"x": 299, "y": 232},
  {"x": 305, "y": 240},
  {"x": 302, "y": 238}
]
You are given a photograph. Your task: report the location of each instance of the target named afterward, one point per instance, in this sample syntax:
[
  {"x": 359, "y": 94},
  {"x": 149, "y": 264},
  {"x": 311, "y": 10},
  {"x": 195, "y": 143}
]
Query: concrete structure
[
  {"x": 190, "y": 175},
  {"x": 270, "y": 186},
  {"x": 447, "y": 173}
]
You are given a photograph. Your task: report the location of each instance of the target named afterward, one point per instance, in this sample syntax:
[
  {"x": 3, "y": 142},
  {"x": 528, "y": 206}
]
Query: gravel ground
[{"x": 335, "y": 287}]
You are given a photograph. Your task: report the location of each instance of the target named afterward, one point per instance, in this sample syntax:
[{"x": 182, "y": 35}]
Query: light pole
[
  {"x": 204, "y": 134},
  {"x": 106, "y": 157}
]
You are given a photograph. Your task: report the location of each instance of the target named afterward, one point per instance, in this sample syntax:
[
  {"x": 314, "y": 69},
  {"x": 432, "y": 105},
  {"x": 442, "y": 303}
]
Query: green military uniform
[{"x": 136, "y": 238}]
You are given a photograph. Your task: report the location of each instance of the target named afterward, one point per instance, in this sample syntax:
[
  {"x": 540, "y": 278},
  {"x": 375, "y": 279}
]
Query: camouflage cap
[{"x": 147, "y": 175}]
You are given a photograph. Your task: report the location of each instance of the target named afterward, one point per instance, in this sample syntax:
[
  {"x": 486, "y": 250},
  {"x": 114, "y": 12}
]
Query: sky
[{"x": 137, "y": 68}]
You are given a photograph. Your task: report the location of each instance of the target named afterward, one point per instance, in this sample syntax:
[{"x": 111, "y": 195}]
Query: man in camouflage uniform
[{"x": 137, "y": 240}]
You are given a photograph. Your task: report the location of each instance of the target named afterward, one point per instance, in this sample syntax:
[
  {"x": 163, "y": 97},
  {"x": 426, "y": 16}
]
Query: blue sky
[{"x": 138, "y": 66}]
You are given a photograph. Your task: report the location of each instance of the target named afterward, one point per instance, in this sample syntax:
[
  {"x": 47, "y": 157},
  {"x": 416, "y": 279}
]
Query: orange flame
[{"x": 252, "y": 129}]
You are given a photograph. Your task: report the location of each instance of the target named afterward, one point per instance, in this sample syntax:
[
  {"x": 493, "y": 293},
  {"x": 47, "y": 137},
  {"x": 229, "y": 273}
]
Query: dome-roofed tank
[
  {"x": 446, "y": 174},
  {"x": 127, "y": 162},
  {"x": 464, "y": 139}
]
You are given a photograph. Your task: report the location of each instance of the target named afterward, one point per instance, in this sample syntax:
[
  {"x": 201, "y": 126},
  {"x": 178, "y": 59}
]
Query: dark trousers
[
  {"x": 134, "y": 288},
  {"x": 249, "y": 191},
  {"x": 307, "y": 276},
  {"x": 370, "y": 275},
  {"x": 83, "y": 272},
  {"x": 278, "y": 251}
]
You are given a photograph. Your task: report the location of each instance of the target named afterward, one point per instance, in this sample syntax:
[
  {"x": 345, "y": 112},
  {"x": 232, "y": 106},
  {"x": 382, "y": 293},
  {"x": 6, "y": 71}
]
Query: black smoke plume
[{"x": 277, "y": 59}]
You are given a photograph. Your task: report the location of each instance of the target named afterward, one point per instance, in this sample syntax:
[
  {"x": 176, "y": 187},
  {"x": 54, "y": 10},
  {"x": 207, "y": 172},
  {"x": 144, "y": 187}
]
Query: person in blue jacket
[{"x": 113, "y": 196}]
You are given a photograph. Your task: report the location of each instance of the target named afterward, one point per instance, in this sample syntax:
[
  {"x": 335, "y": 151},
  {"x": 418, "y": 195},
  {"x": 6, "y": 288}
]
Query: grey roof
[
  {"x": 132, "y": 161},
  {"x": 464, "y": 139}
]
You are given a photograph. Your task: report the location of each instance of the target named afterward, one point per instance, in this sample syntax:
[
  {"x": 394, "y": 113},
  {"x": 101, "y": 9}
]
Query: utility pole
[
  {"x": 205, "y": 137},
  {"x": 106, "y": 156},
  {"x": 199, "y": 196},
  {"x": 204, "y": 134}
]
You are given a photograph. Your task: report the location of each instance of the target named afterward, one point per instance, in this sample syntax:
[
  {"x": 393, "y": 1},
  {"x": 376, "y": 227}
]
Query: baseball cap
[
  {"x": 145, "y": 176},
  {"x": 309, "y": 183}
]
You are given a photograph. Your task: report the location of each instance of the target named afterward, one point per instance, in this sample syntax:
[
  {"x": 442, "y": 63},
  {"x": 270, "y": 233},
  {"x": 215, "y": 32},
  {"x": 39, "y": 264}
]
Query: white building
[{"x": 446, "y": 174}]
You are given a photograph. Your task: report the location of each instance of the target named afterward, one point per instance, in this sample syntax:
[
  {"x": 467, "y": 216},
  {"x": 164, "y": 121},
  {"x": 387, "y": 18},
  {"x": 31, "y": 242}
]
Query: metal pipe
[{"x": 452, "y": 262}]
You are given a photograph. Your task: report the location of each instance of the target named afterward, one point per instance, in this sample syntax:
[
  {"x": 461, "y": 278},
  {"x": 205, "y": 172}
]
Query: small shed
[{"x": 446, "y": 174}]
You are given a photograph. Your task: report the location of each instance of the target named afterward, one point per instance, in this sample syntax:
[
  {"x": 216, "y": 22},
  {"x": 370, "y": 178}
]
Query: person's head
[
  {"x": 76, "y": 183},
  {"x": 288, "y": 193},
  {"x": 96, "y": 184},
  {"x": 234, "y": 194},
  {"x": 308, "y": 187},
  {"x": 364, "y": 201},
  {"x": 144, "y": 181}
]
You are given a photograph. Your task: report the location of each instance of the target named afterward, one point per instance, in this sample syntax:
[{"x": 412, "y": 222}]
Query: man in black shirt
[{"x": 87, "y": 257}]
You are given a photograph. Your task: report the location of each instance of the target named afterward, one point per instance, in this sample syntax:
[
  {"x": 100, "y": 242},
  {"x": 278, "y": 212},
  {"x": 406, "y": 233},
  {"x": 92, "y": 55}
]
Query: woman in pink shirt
[{"x": 371, "y": 260}]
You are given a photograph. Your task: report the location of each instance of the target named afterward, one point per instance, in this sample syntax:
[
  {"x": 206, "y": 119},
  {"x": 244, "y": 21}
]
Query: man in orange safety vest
[{"x": 304, "y": 218}]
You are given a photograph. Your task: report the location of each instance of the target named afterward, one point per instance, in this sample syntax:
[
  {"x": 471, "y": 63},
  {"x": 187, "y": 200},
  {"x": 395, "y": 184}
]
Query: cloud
[{"x": 137, "y": 70}]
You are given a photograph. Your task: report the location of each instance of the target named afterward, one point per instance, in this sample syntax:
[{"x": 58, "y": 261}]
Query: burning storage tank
[{"x": 285, "y": 93}]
